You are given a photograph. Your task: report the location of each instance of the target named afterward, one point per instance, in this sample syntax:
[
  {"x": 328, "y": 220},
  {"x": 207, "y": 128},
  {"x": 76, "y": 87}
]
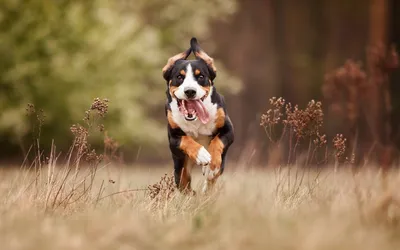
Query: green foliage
[{"x": 60, "y": 55}]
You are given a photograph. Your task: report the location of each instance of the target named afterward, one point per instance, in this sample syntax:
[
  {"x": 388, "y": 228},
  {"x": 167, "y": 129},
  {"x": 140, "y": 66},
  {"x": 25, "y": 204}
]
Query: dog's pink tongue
[{"x": 201, "y": 111}]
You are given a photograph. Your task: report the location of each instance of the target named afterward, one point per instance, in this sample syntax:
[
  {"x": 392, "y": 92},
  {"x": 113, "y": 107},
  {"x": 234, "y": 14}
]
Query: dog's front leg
[
  {"x": 182, "y": 148},
  {"x": 194, "y": 150},
  {"x": 218, "y": 148}
]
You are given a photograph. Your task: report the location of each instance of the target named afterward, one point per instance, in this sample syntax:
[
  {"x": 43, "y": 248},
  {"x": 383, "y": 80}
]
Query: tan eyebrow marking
[
  {"x": 197, "y": 72},
  {"x": 182, "y": 72}
]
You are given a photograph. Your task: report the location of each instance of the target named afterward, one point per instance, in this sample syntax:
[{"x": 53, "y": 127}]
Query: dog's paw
[
  {"x": 203, "y": 157},
  {"x": 209, "y": 173}
]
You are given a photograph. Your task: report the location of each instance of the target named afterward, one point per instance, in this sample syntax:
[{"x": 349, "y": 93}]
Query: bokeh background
[{"x": 59, "y": 55}]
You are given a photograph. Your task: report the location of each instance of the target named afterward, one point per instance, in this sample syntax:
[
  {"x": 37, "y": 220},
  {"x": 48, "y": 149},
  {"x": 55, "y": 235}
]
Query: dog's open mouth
[{"x": 193, "y": 109}]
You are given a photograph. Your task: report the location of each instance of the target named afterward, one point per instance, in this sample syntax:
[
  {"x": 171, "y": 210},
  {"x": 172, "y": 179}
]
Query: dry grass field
[
  {"x": 253, "y": 209},
  {"x": 50, "y": 203}
]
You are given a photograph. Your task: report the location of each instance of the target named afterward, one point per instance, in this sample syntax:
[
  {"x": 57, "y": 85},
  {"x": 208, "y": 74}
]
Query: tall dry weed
[
  {"x": 300, "y": 132},
  {"x": 63, "y": 184},
  {"x": 287, "y": 124}
]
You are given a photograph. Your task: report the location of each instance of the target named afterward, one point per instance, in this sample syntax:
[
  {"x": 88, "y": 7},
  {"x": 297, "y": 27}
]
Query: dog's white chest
[{"x": 195, "y": 128}]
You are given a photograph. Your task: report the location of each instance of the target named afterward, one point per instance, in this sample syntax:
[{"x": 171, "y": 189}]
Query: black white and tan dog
[{"x": 199, "y": 128}]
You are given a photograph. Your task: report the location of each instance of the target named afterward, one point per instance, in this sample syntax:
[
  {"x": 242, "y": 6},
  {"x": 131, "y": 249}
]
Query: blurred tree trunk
[
  {"x": 379, "y": 77},
  {"x": 378, "y": 37},
  {"x": 301, "y": 46},
  {"x": 378, "y": 21},
  {"x": 346, "y": 38},
  {"x": 300, "y": 29},
  {"x": 284, "y": 48},
  {"x": 394, "y": 34},
  {"x": 246, "y": 45}
]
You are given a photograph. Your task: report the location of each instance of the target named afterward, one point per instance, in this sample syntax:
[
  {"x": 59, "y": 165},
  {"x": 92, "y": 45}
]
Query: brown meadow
[
  {"x": 90, "y": 201},
  {"x": 250, "y": 209}
]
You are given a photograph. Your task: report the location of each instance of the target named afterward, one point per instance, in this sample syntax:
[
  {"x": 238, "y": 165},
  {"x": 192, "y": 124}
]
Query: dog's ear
[
  {"x": 200, "y": 54},
  {"x": 171, "y": 62}
]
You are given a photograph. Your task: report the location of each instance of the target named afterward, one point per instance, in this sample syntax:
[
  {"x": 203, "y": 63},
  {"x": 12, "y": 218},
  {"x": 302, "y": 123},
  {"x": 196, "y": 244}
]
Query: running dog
[{"x": 200, "y": 131}]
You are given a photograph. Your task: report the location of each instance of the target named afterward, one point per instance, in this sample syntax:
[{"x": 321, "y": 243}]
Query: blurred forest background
[{"x": 59, "y": 55}]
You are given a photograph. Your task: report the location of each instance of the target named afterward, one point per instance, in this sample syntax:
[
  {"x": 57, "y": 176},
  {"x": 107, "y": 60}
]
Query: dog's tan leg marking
[
  {"x": 195, "y": 151},
  {"x": 216, "y": 148},
  {"x": 213, "y": 170},
  {"x": 190, "y": 147},
  {"x": 186, "y": 178}
]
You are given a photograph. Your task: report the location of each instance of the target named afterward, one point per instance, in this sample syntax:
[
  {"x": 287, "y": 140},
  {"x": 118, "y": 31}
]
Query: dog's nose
[{"x": 190, "y": 92}]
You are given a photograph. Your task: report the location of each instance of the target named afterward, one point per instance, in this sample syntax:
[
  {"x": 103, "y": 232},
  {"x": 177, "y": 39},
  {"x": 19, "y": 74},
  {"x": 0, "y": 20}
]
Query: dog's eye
[
  {"x": 180, "y": 77},
  {"x": 201, "y": 77}
]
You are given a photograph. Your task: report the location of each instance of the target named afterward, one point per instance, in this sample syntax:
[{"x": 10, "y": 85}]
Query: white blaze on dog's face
[
  {"x": 190, "y": 89},
  {"x": 190, "y": 85}
]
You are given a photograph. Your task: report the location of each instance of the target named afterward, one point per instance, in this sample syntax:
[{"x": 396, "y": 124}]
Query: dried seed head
[
  {"x": 101, "y": 106},
  {"x": 93, "y": 159},
  {"x": 81, "y": 136},
  {"x": 339, "y": 143},
  {"x": 101, "y": 127},
  {"x": 163, "y": 189},
  {"x": 320, "y": 140},
  {"x": 305, "y": 122},
  {"x": 30, "y": 109},
  {"x": 38, "y": 115},
  {"x": 273, "y": 116}
]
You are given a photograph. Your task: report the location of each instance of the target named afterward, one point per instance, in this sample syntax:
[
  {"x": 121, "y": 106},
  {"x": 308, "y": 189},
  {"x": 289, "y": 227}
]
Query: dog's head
[{"x": 190, "y": 81}]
